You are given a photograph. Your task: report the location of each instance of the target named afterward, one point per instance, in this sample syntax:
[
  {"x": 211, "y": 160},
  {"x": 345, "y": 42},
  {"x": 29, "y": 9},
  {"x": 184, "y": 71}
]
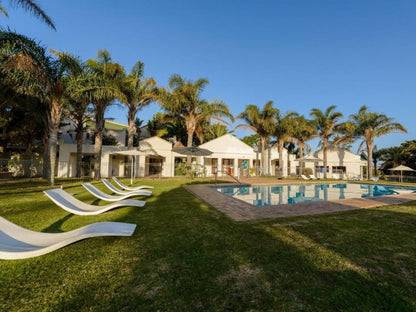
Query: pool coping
[{"x": 239, "y": 210}]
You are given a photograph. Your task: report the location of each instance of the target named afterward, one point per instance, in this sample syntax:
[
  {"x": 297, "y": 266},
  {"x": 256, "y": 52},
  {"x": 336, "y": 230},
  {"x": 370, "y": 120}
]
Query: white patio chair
[
  {"x": 128, "y": 188},
  {"x": 101, "y": 195},
  {"x": 75, "y": 206},
  {"x": 304, "y": 177},
  {"x": 112, "y": 188},
  {"x": 335, "y": 176},
  {"x": 20, "y": 243},
  {"x": 375, "y": 179}
]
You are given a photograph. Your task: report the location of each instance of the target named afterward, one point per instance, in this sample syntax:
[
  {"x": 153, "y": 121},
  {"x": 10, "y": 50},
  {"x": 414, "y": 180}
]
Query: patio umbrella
[
  {"x": 131, "y": 153},
  {"x": 401, "y": 168},
  {"x": 192, "y": 151}
]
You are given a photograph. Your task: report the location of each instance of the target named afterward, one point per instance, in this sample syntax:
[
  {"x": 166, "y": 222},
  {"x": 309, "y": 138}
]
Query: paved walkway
[{"x": 239, "y": 210}]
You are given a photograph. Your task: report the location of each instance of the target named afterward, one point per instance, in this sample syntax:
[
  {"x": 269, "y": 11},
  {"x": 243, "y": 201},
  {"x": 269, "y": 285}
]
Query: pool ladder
[{"x": 227, "y": 173}]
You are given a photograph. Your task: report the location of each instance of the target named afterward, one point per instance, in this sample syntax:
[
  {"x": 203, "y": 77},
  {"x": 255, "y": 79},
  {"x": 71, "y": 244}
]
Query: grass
[{"x": 187, "y": 256}]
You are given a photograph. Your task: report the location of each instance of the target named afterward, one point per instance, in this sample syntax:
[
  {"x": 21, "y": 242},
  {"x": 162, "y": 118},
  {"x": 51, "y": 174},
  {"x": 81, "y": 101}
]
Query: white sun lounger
[
  {"x": 101, "y": 195},
  {"x": 75, "y": 206},
  {"x": 112, "y": 188},
  {"x": 304, "y": 177},
  {"x": 125, "y": 187},
  {"x": 19, "y": 243},
  {"x": 313, "y": 177}
]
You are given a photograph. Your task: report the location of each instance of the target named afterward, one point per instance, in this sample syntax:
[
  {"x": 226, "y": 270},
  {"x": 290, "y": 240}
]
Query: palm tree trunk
[
  {"x": 79, "y": 134},
  {"x": 280, "y": 148},
  {"x": 301, "y": 164},
  {"x": 300, "y": 147},
  {"x": 189, "y": 143},
  {"x": 53, "y": 127},
  {"x": 131, "y": 115},
  {"x": 46, "y": 162},
  {"x": 325, "y": 145},
  {"x": 369, "y": 159},
  {"x": 98, "y": 141},
  {"x": 263, "y": 156}
]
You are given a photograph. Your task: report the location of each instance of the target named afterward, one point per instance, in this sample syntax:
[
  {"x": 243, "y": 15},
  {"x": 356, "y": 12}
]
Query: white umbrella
[
  {"x": 401, "y": 168},
  {"x": 131, "y": 153}
]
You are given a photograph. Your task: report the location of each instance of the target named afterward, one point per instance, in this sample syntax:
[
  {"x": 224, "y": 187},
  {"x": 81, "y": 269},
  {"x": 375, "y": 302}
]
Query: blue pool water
[{"x": 300, "y": 193}]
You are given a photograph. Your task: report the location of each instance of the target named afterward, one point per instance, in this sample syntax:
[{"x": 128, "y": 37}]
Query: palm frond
[{"x": 32, "y": 7}]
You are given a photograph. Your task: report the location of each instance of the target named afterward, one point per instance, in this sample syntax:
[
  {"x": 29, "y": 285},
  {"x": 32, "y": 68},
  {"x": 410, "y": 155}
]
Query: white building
[
  {"x": 156, "y": 157},
  {"x": 229, "y": 155},
  {"x": 341, "y": 162}
]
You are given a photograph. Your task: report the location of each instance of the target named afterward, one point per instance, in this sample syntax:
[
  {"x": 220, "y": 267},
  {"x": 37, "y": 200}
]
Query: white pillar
[
  {"x": 141, "y": 166},
  {"x": 219, "y": 167}
]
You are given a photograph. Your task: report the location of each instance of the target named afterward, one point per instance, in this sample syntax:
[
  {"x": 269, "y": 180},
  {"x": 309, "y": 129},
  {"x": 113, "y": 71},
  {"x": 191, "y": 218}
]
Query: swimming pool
[{"x": 299, "y": 193}]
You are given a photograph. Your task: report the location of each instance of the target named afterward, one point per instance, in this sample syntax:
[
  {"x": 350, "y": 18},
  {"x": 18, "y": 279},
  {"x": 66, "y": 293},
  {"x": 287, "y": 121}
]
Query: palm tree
[
  {"x": 77, "y": 105},
  {"x": 139, "y": 92},
  {"x": 325, "y": 123},
  {"x": 31, "y": 71},
  {"x": 303, "y": 132},
  {"x": 213, "y": 131},
  {"x": 376, "y": 157},
  {"x": 32, "y": 7},
  {"x": 183, "y": 101},
  {"x": 101, "y": 90},
  {"x": 368, "y": 126},
  {"x": 263, "y": 122},
  {"x": 284, "y": 132},
  {"x": 392, "y": 157}
]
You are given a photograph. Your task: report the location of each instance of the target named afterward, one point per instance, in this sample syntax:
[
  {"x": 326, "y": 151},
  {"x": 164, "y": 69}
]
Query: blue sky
[{"x": 301, "y": 54}]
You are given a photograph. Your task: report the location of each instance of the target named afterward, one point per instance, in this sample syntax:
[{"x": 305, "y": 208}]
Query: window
[
  {"x": 321, "y": 169},
  {"x": 339, "y": 169}
]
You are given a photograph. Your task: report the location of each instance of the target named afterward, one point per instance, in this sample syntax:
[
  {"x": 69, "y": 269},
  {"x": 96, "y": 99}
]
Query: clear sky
[{"x": 301, "y": 54}]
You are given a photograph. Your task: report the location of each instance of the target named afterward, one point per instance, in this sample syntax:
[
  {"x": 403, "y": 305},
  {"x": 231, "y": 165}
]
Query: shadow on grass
[
  {"x": 186, "y": 256},
  {"x": 56, "y": 227}
]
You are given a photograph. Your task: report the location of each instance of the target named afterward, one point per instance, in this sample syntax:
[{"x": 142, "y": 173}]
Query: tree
[
  {"x": 368, "y": 126},
  {"x": 31, "y": 71},
  {"x": 325, "y": 123},
  {"x": 213, "y": 131},
  {"x": 376, "y": 157},
  {"x": 303, "y": 132},
  {"x": 183, "y": 101},
  {"x": 139, "y": 92},
  {"x": 21, "y": 122},
  {"x": 101, "y": 89},
  {"x": 284, "y": 133},
  {"x": 77, "y": 105},
  {"x": 32, "y": 7},
  {"x": 263, "y": 122},
  {"x": 138, "y": 123},
  {"x": 251, "y": 140},
  {"x": 168, "y": 128},
  {"x": 409, "y": 153},
  {"x": 391, "y": 157}
]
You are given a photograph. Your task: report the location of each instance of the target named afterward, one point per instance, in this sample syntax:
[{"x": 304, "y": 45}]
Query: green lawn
[{"x": 187, "y": 256}]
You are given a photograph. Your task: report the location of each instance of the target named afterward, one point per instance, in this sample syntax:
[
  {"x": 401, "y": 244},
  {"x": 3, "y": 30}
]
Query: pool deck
[{"x": 239, "y": 210}]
